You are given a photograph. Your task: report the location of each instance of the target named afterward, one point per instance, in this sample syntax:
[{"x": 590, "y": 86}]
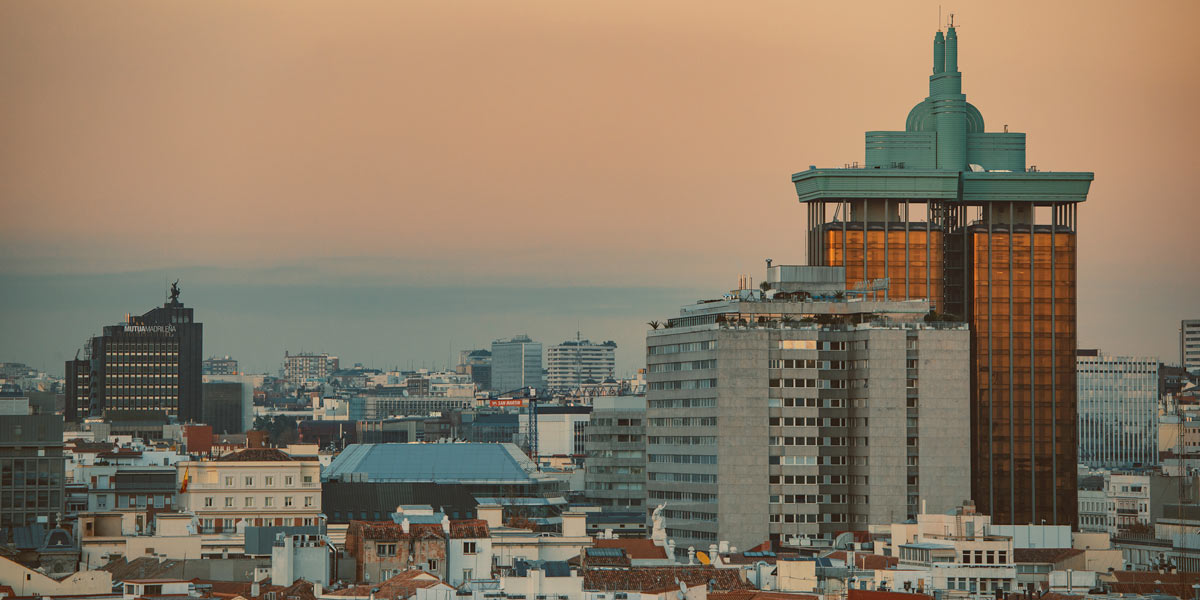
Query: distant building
[
  {"x": 308, "y": 368},
  {"x": 1189, "y": 345},
  {"x": 382, "y": 404},
  {"x": 368, "y": 481},
  {"x": 478, "y": 365},
  {"x": 1117, "y": 410},
  {"x": 143, "y": 371},
  {"x": 77, "y": 388},
  {"x": 560, "y": 431},
  {"x": 772, "y": 415},
  {"x": 219, "y": 366},
  {"x": 576, "y": 362},
  {"x": 32, "y": 464},
  {"x": 615, "y": 447},
  {"x": 228, "y": 405},
  {"x": 516, "y": 363}
]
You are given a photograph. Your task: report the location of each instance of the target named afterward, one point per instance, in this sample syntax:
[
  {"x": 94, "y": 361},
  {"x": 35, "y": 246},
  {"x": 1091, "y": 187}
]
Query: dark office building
[
  {"x": 145, "y": 369},
  {"x": 223, "y": 409},
  {"x": 31, "y": 470},
  {"x": 948, "y": 212},
  {"x": 77, "y": 389}
]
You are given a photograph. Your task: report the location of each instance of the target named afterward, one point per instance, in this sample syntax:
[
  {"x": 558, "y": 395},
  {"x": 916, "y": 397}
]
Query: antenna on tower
[
  {"x": 939, "y": 17},
  {"x": 952, "y": 19}
]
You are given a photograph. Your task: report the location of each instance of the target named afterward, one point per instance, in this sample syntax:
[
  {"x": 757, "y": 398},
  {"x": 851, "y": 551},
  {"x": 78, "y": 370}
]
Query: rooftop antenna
[
  {"x": 952, "y": 19},
  {"x": 939, "y": 17}
]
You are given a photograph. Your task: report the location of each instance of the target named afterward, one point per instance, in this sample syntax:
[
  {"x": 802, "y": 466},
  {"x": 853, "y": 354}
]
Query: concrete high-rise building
[
  {"x": 308, "y": 368},
  {"x": 33, "y": 465},
  {"x": 1189, "y": 345},
  {"x": 790, "y": 413},
  {"x": 219, "y": 366},
  {"x": 516, "y": 363},
  {"x": 146, "y": 369},
  {"x": 947, "y": 212},
  {"x": 576, "y": 362},
  {"x": 1118, "y": 410},
  {"x": 615, "y": 467}
]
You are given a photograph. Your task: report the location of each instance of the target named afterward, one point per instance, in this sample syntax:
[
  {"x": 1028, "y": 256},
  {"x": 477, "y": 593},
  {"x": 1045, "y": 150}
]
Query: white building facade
[{"x": 574, "y": 363}]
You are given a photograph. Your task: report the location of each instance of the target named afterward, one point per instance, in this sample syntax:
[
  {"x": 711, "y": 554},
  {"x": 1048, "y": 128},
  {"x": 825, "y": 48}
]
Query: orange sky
[{"x": 645, "y": 143}]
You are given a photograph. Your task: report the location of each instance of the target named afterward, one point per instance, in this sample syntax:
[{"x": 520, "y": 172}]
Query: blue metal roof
[{"x": 436, "y": 463}]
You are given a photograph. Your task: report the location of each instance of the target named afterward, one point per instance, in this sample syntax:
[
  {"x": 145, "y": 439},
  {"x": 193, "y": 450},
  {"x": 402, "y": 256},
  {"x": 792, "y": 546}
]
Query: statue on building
[
  {"x": 658, "y": 533},
  {"x": 175, "y": 291}
]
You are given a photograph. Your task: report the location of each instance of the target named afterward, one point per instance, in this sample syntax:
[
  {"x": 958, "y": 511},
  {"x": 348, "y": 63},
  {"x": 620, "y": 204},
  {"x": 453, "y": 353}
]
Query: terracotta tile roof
[
  {"x": 469, "y": 528},
  {"x": 389, "y": 530},
  {"x": 227, "y": 589},
  {"x": 257, "y": 454},
  {"x": 401, "y": 586},
  {"x": 879, "y": 595},
  {"x": 1044, "y": 555},
  {"x": 635, "y": 548},
  {"x": 643, "y": 579},
  {"x": 758, "y": 595},
  {"x": 864, "y": 560},
  {"x": 1178, "y": 584}
]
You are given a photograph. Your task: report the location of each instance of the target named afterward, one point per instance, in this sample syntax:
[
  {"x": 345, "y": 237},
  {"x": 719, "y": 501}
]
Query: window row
[
  {"x": 677, "y": 348},
  {"x": 693, "y": 365},
  {"x": 684, "y": 459},
  {"x": 682, "y": 440},
  {"x": 684, "y": 422},
  {"x": 684, "y": 403},
  {"x": 687, "y": 384},
  {"x": 684, "y": 477}
]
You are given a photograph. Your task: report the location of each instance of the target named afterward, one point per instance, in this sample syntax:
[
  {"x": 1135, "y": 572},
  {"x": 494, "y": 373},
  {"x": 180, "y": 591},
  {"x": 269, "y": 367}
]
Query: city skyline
[{"x": 602, "y": 132}]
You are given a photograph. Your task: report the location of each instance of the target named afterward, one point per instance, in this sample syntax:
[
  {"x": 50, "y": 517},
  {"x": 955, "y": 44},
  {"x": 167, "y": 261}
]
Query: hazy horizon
[{"x": 392, "y": 183}]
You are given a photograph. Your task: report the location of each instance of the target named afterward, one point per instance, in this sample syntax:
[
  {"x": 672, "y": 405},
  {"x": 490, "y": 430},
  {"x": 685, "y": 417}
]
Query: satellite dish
[
  {"x": 703, "y": 558},
  {"x": 682, "y": 593}
]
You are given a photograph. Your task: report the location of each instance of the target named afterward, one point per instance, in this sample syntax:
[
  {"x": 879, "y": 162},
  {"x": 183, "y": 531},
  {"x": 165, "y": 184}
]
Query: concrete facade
[
  {"x": 765, "y": 424},
  {"x": 615, "y": 467}
]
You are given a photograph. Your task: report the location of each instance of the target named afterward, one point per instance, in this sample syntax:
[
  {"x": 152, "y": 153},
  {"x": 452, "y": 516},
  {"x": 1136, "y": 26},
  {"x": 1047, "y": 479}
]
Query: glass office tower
[{"x": 947, "y": 212}]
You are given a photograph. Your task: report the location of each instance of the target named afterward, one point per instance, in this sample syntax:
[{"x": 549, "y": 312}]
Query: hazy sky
[{"x": 391, "y": 180}]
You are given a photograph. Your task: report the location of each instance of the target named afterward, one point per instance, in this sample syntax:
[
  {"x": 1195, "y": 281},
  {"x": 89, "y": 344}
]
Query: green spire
[{"x": 939, "y": 53}]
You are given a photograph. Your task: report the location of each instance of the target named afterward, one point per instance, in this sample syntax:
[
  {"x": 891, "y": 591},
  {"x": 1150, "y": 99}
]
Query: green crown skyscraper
[{"x": 949, "y": 212}]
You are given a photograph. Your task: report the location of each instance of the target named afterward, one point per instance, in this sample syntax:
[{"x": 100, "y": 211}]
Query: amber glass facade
[
  {"x": 910, "y": 259},
  {"x": 1023, "y": 342}
]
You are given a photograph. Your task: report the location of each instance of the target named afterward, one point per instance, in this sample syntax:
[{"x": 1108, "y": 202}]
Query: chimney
[
  {"x": 404, "y": 525},
  {"x": 318, "y": 589},
  {"x": 254, "y": 589},
  {"x": 446, "y": 524},
  {"x": 256, "y": 439},
  {"x": 574, "y": 524},
  {"x": 493, "y": 514}
]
